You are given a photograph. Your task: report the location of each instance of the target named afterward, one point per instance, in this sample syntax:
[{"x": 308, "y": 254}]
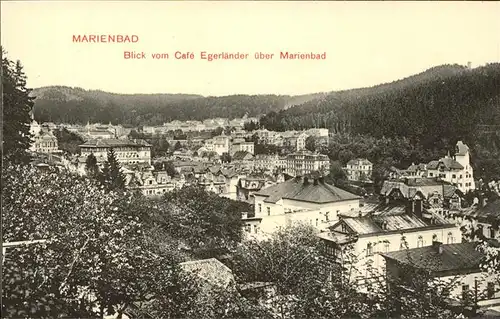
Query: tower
[{"x": 462, "y": 154}]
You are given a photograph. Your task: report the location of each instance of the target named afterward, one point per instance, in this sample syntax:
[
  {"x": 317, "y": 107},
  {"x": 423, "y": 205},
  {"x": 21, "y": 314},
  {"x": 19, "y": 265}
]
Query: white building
[
  {"x": 455, "y": 170},
  {"x": 221, "y": 144},
  {"x": 458, "y": 265},
  {"x": 306, "y": 162},
  {"x": 301, "y": 142},
  {"x": 242, "y": 147},
  {"x": 391, "y": 230},
  {"x": 127, "y": 151},
  {"x": 359, "y": 169},
  {"x": 149, "y": 183},
  {"x": 301, "y": 199}
]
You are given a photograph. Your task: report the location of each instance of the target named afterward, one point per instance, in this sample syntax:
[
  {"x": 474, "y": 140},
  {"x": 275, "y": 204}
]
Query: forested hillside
[
  {"x": 76, "y": 105},
  {"x": 445, "y": 102}
]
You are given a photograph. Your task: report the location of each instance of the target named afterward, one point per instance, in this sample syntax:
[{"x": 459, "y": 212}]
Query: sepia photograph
[{"x": 250, "y": 159}]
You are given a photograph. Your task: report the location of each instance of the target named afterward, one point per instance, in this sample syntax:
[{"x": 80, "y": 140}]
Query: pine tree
[
  {"x": 17, "y": 110},
  {"x": 111, "y": 175},
  {"x": 91, "y": 165}
]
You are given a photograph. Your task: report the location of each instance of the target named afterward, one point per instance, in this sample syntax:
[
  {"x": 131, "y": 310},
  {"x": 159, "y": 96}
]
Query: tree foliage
[
  {"x": 91, "y": 165},
  {"x": 58, "y": 104},
  {"x": 99, "y": 257},
  {"x": 68, "y": 141},
  {"x": 205, "y": 220},
  {"x": 17, "y": 108},
  {"x": 111, "y": 176}
]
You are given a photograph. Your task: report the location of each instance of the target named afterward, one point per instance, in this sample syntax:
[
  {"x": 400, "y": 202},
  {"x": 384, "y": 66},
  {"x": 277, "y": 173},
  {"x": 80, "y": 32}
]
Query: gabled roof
[
  {"x": 462, "y": 256},
  {"x": 242, "y": 155},
  {"x": 298, "y": 189},
  {"x": 391, "y": 220},
  {"x": 447, "y": 163},
  {"x": 418, "y": 167},
  {"x": 411, "y": 186}
]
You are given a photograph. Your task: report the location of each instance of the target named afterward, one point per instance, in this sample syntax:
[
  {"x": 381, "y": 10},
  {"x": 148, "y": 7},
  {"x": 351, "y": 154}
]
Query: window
[
  {"x": 453, "y": 176},
  {"x": 465, "y": 292},
  {"x": 402, "y": 245},
  {"x": 326, "y": 216},
  {"x": 492, "y": 232},
  {"x": 436, "y": 200},
  {"x": 344, "y": 228},
  {"x": 260, "y": 208},
  {"x": 450, "y": 238},
  {"x": 369, "y": 249},
  {"x": 316, "y": 222},
  {"x": 430, "y": 174},
  {"x": 386, "y": 247},
  {"x": 420, "y": 242},
  {"x": 434, "y": 237},
  {"x": 269, "y": 211}
]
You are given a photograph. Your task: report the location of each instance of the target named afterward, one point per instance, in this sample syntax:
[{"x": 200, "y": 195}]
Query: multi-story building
[
  {"x": 266, "y": 162},
  {"x": 317, "y": 132},
  {"x": 305, "y": 162},
  {"x": 221, "y": 144},
  {"x": 453, "y": 169},
  {"x": 221, "y": 180},
  {"x": 301, "y": 142},
  {"x": 301, "y": 199},
  {"x": 242, "y": 147},
  {"x": 396, "y": 224},
  {"x": 127, "y": 151},
  {"x": 359, "y": 169},
  {"x": 456, "y": 265},
  {"x": 45, "y": 142},
  {"x": 249, "y": 185},
  {"x": 149, "y": 183},
  {"x": 435, "y": 192},
  {"x": 243, "y": 160}
]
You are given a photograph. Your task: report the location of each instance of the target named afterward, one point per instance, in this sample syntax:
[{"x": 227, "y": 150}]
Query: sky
[{"x": 366, "y": 43}]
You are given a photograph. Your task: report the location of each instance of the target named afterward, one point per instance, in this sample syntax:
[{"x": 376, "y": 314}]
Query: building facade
[
  {"x": 359, "y": 169},
  {"x": 306, "y": 162},
  {"x": 301, "y": 200},
  {"x": 127, "y": 151}
]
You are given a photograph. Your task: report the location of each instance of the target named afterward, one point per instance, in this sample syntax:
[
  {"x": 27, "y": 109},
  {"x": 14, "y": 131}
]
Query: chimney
[
  {"x": 306, "y": 180},
  {"x": 469, "y": 65},
  {"x": 437, "y": 246}
]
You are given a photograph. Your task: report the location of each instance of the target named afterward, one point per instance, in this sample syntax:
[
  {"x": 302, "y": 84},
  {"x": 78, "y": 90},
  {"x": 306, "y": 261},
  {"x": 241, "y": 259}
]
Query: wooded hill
[
  {"x": 75, "y": 105},
  {"x": 447, "y": 101}
]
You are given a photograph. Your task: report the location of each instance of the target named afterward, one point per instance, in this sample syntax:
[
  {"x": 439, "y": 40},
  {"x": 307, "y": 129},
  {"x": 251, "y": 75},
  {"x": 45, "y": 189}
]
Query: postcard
[{"x": 250, "y": 159}]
